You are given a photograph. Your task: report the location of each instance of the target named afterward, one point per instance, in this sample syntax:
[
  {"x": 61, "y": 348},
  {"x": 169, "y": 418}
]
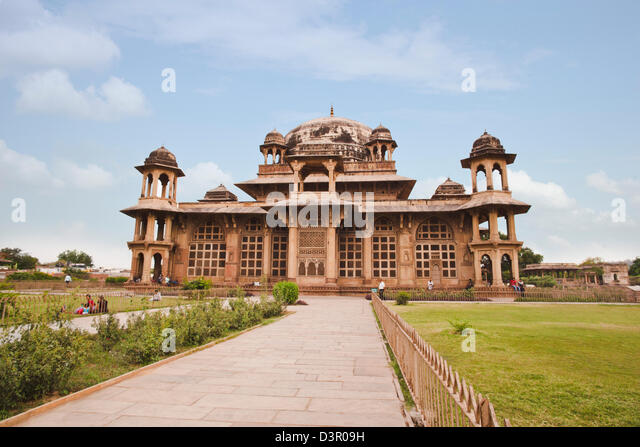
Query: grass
[
  {"x": 38, "y": 305},
  {"x": 102, "y": 365},
  {"x": 544, "y": 364}
]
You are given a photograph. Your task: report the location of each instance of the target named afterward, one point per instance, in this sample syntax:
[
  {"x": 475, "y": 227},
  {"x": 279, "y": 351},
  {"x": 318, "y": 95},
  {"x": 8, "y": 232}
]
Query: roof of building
[
  {"x": 219, "y": 194},
  {"x": 449, "y": 189}
]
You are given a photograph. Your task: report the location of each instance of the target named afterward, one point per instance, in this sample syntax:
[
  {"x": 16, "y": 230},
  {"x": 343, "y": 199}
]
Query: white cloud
[
  {"x": 51, "y": 92},
  {"x": 32, "y": 36},
  {"x": 89, "y": 177},
  {"x": 622, "y": 187},
  {"x": 539, "y": 194},
  {"x": 22, "y": 171},
  {"x": 201, "y": 178},
  {"x": 310, "y": 38}
]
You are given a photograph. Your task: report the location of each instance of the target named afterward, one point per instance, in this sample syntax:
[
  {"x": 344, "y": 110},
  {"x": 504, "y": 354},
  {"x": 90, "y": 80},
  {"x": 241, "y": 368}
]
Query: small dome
[
  {"x": 274, "y": 137},
  {"x": 161, "y": 156},
  {"x": 219, "y": 194},
  {"x": 381, "y": 133},
  {"x": 449, "y": 188},
  {"x": 486, "y": 141}
]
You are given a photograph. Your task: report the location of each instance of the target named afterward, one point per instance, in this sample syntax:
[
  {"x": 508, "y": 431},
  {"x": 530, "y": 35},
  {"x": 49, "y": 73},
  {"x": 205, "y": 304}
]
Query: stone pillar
[
  {"x": 497, "y": 269},
  {"x": 475, "y": 224},
  {"x": 168, "y": 221},
  {"x": 232, "y": 260},
  {"x": 515, "y": 267},
  {"x": 474, "y": 179},
  {"x": 489, "y": 175},
  {"x": 154, "y": 187},
  {"x": 511, "y": 226},
  {"x": 146, "y": 268},
  {"x": 292, "y": 261},
  {"x": 493, "y": 225},
  {"x": 505, "y": 183},
  {"x": 136, "y": 229},
  {"x": 150, "y": 227},
  {"x": 266, "y": 259},
  {"x": 477, "y": 268},
  {"x": 331, "y": 270},
  {"x": 367, "y": 261},
  {"x": 406, "y": 269},
  {"x": 144, "y": 183}
]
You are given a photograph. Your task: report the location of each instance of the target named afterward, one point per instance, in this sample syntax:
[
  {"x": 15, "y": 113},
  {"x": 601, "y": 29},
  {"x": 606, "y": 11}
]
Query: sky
[{"x": 82, "y": 103}]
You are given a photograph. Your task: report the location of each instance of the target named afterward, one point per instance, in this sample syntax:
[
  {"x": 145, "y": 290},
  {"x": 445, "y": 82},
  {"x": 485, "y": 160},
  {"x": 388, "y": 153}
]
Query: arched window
[
  {"x": 435, "y": 242},
  {"x": 207, "y": 251}
]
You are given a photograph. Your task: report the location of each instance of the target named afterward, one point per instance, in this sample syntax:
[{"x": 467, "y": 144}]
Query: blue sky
[{"x": 81, "y": 104}]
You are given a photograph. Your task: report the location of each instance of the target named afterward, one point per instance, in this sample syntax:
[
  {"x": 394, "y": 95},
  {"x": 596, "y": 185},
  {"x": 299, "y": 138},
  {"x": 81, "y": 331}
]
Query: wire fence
[{"x": 441, "y": 396}]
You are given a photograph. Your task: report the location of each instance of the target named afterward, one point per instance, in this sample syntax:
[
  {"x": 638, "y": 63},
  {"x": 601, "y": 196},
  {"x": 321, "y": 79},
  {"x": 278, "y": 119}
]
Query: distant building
[
  {"x": 412, "y": 241},
  {"x": 613, "y": 273}
]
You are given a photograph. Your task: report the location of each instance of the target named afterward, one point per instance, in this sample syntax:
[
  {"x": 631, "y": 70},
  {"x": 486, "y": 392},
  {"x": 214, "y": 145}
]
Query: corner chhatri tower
[{"x": 412, "y": 241}]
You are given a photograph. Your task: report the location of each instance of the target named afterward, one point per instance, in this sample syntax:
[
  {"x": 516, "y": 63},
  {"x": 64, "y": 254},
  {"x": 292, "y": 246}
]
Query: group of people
[
  {"x": 518, "y": 286},
  {"x": 164, "y": 281},
  {"x": 91, "y": 307}
]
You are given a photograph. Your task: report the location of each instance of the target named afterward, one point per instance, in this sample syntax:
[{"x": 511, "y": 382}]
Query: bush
[
  {"x": 402, "y": 298},
  {"x": 459, "y": 326},
  {"x": 7, "y": 286},
  {"x": 197, "y": 284},
  {"x": 286, "y": 291},
  {"x": 32, "y": 276},
  {"x": 39, "y": 363},
  {"x": 76, "y": 273},
  {"x": 116, "y": 280},
  {"x": 109, "y": 331},
  {"x": 540, "y": 281}
]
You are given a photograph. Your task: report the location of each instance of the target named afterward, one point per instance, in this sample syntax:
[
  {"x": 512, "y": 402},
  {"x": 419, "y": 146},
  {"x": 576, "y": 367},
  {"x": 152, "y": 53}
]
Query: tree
[
  {"x": 527, "y": 256},
  {"x": 23, "y": 260},
  {"x": 592, "y": 261},
  {"x": 75, "y": 257},
  {"x": 634, "y": 269}
]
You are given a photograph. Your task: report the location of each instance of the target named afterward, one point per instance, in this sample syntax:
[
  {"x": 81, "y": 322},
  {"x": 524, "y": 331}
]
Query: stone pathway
[{"x": 324, "y": 365}]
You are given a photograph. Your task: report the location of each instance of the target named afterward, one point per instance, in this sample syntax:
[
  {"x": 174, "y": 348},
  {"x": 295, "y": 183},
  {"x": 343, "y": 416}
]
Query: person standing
[
  {"x": 67, "y": 279},
  {"x": 381, "y": 289},
  {"x": 430, "y": 285}
]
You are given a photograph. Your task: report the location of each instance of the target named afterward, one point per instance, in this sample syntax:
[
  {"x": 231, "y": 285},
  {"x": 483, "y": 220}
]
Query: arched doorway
[
  {"x": 507, "y": 268},
  {"x": 486, "y": 267},
  {"x": 157, "y": 266},
  {"x": 139, "y": 267}
]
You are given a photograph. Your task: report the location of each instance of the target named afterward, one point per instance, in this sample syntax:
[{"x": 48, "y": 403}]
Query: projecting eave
[
  {"x": 132, "y": 211},
  {"x": 224, "y": 209},
  {"x": 509, "y": 158},
  {"x": 478, "y": 201}
]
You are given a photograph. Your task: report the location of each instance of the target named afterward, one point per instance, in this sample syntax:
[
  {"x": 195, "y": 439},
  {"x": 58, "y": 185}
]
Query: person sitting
[
  {"x": 513, "y": 284},
  {"x": 103, "y": 305},
  {"x": 430, "y": 285},
  {"x": 156, "y": 296},
  {"x": 469, "y": 284},
  {"x": 90, "y": 304}
]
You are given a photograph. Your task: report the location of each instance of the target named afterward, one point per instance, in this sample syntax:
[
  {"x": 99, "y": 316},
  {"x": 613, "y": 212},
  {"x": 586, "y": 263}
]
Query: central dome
[{"x": 329, "y": 136}]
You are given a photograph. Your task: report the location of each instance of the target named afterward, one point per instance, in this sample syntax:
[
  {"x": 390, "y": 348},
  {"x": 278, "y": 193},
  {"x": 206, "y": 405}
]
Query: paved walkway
[{"x": 323, "y": 365}]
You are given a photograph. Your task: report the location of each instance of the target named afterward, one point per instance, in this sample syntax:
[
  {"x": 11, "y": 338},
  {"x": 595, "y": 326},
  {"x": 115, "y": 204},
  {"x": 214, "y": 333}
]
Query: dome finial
[{"x": 331, "y": 109}]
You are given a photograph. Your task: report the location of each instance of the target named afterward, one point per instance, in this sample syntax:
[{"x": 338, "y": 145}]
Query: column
[
  {"x": 144, "y": 183},
  {"x": 292, "y": 261},
  {"x": 168, "y": 221},
  {"x": 331, "y": 270},
  {"x": 136, "y": 229},
  {"x": 505, "y": 183},
  {"x": 497, "y": 269},
  {"x": 489, "y": 175},
  {"x": 146, "y": 268},
  {"x": 266, "y": 259},
  {"x": 477, "y": 269},
  {"x": 367, "y": 255},
  {"x": 150, "y": 227},
  {"x": 475, "y": 224},
  {"x": 232, "y": 259},
  {"x": 154, "y": 189},
  {"x": 511, "y": 226},
  {"x": 493, "y": 225},
  {"x": 515, "y": 267},
  {"x": 474, "y": 179}
]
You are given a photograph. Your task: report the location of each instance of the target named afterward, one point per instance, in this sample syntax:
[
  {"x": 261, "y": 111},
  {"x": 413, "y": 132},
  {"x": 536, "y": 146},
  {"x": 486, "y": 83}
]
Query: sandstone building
[{"x": 412, "y": 241}]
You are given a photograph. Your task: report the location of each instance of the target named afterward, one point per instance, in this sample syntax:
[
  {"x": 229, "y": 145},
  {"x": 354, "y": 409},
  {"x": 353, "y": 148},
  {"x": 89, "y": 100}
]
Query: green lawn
[{"x": 544, "y": 364}]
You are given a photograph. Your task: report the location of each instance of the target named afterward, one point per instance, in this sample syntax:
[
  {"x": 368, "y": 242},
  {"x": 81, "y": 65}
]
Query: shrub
[
  {"x": 142, "y": 342},
  {"x": 237, "y": 292},
  {"x": 116, "y": 280},
  {"x": 109, "y": 331},
  {"x": 7, "y": 286},
  {"x": 286, "y": 292},
  {"x": 459, "y": 326},
  {"x": 39, "y": 363},
  {"x": 540, "y": 281},
  {"x": 32, "y": 276},
  {"x": 197, "y": 284},
  {"x": 76, "y": 273},
  {"x": 402, "y": 298}
]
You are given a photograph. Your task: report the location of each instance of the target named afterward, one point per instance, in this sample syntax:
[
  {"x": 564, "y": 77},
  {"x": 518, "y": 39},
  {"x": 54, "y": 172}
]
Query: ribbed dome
[
  {"x": 449, "y": 187},
  {"x": 486, "y": 141},
  {"x": 161, "y": 156},
  {"x": 381, "y": 133},
  {"x": 330, "y": 135},
  {"x": 274, "y": 137}
]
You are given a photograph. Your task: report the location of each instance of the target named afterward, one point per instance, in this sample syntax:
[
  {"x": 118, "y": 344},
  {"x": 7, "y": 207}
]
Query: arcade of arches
[{"x": 449, "y": 238}]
